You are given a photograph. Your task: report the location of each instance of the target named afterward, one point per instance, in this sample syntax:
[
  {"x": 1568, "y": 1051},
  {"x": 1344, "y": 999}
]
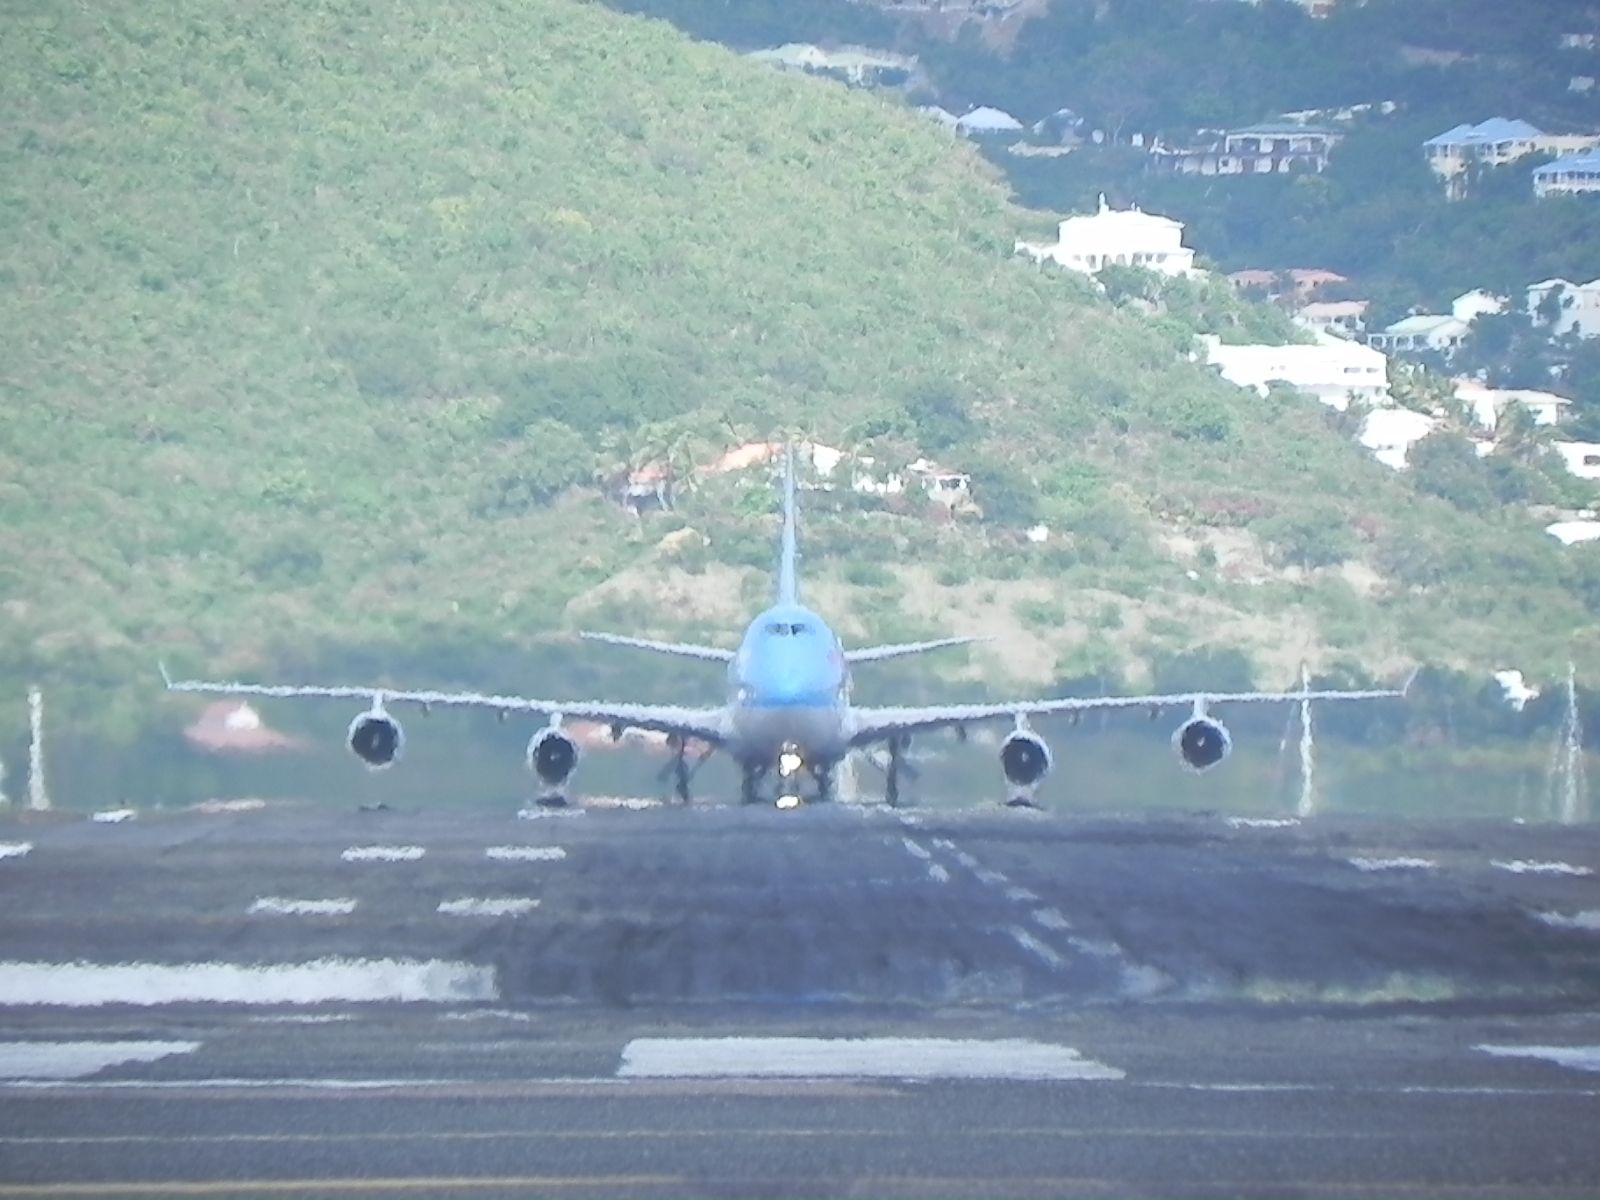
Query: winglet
[
  {"x": 788, "y": 581},
  {"x": 165, "y": 678},
  {"x": 1405, "y": 688}
]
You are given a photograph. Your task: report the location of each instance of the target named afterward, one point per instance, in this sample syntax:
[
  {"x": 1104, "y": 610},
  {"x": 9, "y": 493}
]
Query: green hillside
[{"x": 322, "y": 320}]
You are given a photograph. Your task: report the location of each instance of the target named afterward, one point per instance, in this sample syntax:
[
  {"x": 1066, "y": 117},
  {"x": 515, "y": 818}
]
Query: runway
[{"x": 840, "y": 1001}]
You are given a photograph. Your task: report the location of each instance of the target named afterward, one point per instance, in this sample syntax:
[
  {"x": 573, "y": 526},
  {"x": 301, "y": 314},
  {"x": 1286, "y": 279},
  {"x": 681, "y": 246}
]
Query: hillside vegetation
[{"x": 322, "y": 320}]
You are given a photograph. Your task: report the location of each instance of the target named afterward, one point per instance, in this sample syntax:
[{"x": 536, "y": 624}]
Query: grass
[{"x": 322, "y": 322}]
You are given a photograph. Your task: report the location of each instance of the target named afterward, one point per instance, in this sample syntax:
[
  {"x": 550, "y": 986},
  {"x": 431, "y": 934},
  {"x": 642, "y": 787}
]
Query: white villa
[
  {"x": 1494, "y": 143},
  {"x": 1582, "y": 458},
  {"x": 1343, "y": 318},
  {"x": 1570, "y": 174},
  {"x": 1391, "y": 432},
  {"x": 1487, "y": 403},
  {"x": 1333, "y": 370},
  {"x": 1579, "y": 306},
  {"x": 1124, "y": 237},
  {"x": 1469, "y": 306},
  {"x": 1424, "y": 331}
]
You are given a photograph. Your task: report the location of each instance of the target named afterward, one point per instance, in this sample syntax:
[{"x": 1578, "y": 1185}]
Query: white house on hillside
[
  {"x": 1343, "y": 318},
  {"x": 986, "y": 121},
  {"x": 1123, "y": 237},
  {"x": 1494, "y": 143},
  {"x": 1424, "y": 331},
  {"x": 1391, "y": 432},
  {"x": 1333, "y": 371},
  {"x": 1487, "y": 403},
  {"x": 1567, "y": 175},
  {"x": 1469, "y": 306},
  {"x": 1578, "y": 306},
  {"x": 1582, "y": 458}
]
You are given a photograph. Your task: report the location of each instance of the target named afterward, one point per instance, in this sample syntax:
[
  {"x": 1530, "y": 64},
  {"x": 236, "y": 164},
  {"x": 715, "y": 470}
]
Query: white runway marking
[
  {"x": 114, "y": 816},
  {"x": 1021, "y": 894},
  {"x": 1262, "y": 822},
  {"x": 1579, "y": 1058},
  {"x": 966, "y": 860},
  {"x": 383, "y": 854},
  {"x": 525, "y": 853},
  {"x": 278, "y": 905},
  {"x": 74, "y": 1060},
  {"x": 914, "y": 849},
  {"x": 1393, "y": 864},
  {"x": 1051, "y": 918},
  {"x": 505, "y": 906},
  {"x": 87, "y": 985},
  {"x": 1588, "y": 919},
  {"x": 944, "y": 843},
  {"x": 858, "y": 1058},
  {"x": 15, "y": 849},
  {"x": 534, "y": 814},
  {"x": 302, "y": 1018},
  {"x": 992, "y": 878},
  {"x": 937, "y": 873},
  {"x": 1035, "y": 947},
  {"x": 1522, "y": 866}
]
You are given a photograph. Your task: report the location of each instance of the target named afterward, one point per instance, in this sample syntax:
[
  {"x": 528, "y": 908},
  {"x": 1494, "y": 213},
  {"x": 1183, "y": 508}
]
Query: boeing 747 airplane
[{"x": 788, "y": 709}]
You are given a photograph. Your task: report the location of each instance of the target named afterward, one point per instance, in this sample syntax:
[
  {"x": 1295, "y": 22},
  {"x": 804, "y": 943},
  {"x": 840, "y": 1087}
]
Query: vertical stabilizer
[{"x": 788, "y": 582}]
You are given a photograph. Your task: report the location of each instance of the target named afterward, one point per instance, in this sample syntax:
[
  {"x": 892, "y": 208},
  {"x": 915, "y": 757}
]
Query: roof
[
  {"x": 1589, "y": 160},
  {"x": 1495, "y": 129},
  {"x": 987, "y": 118},
  {"x": 1252, "y": 275},
  {"x": 1315, "y": 275},
  {"x": 1423, "y": 323},
  {"x": 1282, "y": 129},
  {"x": 1333, "y": 308}
]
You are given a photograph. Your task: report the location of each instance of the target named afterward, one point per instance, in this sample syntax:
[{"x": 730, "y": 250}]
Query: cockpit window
[{"x": 787, "y": 628}]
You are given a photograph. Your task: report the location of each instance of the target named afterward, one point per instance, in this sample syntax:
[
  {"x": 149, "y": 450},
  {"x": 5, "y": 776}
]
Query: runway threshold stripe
[
  {"x": 856, "y": 1058},
  {"x": 80, "y": 985},
  {"x": 429, "y": 1184},
  {"x": 15, "y": 849}
]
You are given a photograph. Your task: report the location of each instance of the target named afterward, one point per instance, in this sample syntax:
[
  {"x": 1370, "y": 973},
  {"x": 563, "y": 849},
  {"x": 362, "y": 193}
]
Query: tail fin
[{"x": 788, "y": 581}]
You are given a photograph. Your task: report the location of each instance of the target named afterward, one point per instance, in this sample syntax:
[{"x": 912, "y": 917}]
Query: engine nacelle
[
  {"x": 376, "y": 738},
  {"x": 552, "y": 756},
  {"x": 1025, "y": 758},
  {"x": 1202, "y": 742}
]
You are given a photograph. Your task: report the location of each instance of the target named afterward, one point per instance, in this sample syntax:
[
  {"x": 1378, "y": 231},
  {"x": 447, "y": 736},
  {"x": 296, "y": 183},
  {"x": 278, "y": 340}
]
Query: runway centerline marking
[
  {"x": 937, "y": 873},
  {"x": 15, "y": 849},
  {"x": 525, "y": 853},
  {"x": 1050, "y": 918},
  {"x": 916, "y": 850},
  {"x": 383, "y": 854},
  {"x": 1523, "y": 866},
  {"x": 502, "y": 906},
  {"x": 280, "y": 906},
  {"x": 858, "y": 1058}
]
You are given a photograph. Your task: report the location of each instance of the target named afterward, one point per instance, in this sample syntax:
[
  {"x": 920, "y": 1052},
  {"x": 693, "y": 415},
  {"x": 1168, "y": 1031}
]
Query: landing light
[
  {"x": 789, "y": 801},
  {"x": 788, "y": 762}
]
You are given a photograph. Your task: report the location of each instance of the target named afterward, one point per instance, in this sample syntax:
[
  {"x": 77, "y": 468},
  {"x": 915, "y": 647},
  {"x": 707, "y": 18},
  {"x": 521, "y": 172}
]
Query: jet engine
[
  {"x": 376, "y": 738},
  {"x": 1202, "y": 742},
  {"x": 552, "y": 756},
  {"x": 1024, "y": 758}
]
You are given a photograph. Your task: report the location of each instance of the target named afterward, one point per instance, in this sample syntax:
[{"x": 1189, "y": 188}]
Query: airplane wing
[
  {"x": 707, "y": 724},
  {"x": 682, "y": 649},
  {"x": 867, "y": 725},
  {"x": 879, "y": 653}
]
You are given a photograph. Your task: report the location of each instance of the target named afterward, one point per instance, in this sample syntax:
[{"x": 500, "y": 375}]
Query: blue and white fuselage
[{"x": 789, "y": 690}]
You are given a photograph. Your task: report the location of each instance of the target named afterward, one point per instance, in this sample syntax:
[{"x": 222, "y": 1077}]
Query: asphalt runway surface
[{"x": 835, "y": 1001}]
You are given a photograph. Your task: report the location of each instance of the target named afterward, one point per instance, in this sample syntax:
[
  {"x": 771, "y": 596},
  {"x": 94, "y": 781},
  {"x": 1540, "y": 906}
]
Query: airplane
[{"x": 788, "y": 707}]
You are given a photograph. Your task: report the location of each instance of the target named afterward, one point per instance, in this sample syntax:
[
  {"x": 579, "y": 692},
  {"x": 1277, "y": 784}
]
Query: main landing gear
[{"x": 680, "y": 769}]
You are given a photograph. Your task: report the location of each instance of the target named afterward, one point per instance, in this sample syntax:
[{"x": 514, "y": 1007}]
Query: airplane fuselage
[{"x": 789, "y": 690}]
